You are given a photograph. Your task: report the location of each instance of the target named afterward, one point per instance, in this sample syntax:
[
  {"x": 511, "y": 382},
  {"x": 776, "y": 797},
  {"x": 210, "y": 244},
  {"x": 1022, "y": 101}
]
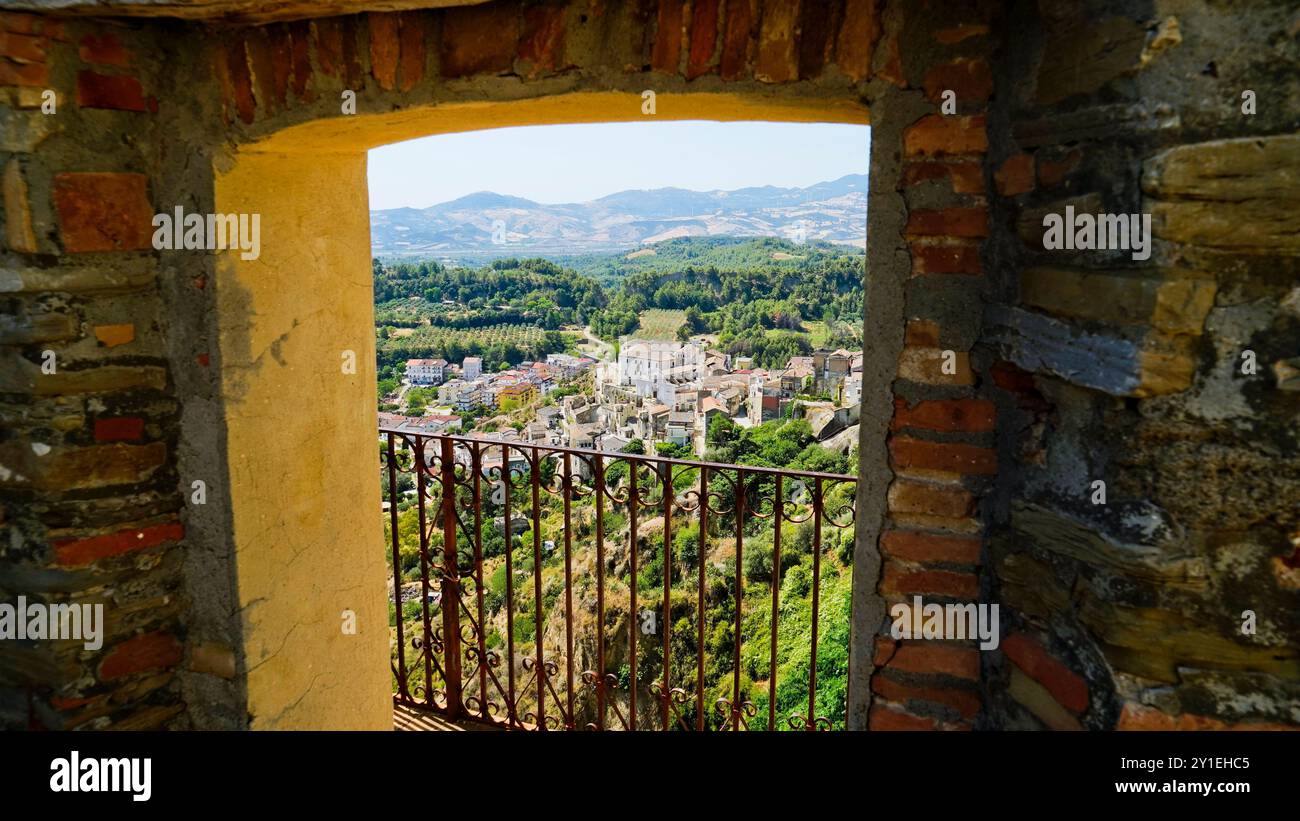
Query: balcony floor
[{"x": 409, "y": 718}]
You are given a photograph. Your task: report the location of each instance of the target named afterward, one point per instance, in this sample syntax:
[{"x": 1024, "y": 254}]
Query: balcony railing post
[{"x": 450, "y": 582}]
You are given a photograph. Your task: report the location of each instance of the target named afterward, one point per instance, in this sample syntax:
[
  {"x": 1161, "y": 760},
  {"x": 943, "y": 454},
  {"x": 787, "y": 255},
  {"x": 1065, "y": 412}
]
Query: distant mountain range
[{"x": 490, "y": 224}]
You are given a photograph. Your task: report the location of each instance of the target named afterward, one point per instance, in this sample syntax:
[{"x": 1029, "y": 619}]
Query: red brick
[
  {"x": 892, "y": 70},
  {"x": 385, "y": 46},
  {"x": 885, "y": 718},
  {"x": 930, "y": 499},
  {"x": 930, "y": 658},
  {"x": 777, "y": 56},
  {"x": 736, "y": 39},
  {"x": 22, "y": 48},
  {"x": 110, "y": 336},
  {"x": 104, "y": 50},
  {"x": 300, "y": 37},
  {"x": 24, "y": 74},
  {"x": 922, "y": 332},
  {"x": 21, "y": 23},
  {"x": 1052, "y": 173},
  {"x": 946, "y": 258},
  {"x": 938, "y": 135},
  {"x": 949, "y": 222},
  {"x": 1140, "y": 717},
  {"x": 857, "y": 38},
  {"x": 121, "y": 92},
  {"x": 329, "y": 45},
  {"x": 257, "y": 42},
  {"x": 411, "y": 34},
  {"x": 353, "y": 76},
  {"x": 103, "y": 211},
  {"x": 965, "y": 702},
  {"x": 76, "y": 552},
  {"x": 970, "y": 79},
  {"x": 542, "y": 43},
  {"x": 1065, "y": 686},
  {"x": 1010, "y": 377},
  {"x": 971, "y": 415},
  {"x": 815, "y": 38},
  {"x": 667, "y": 49},
  {"x": 704, "y": 38},
  {"x": 232, "y": 65},
  {"x": 885, "y": 648},
  {"x": 214, "y": 659},
  {"x": 898, "y": 580},
  {"x": 955, "y": 34},
  {"x": 124, "y": 428},
  {"x": 1016, "y": 176},
  {"x": 952, "y": 457},
  {"x": 281, "y": 50},
  {"x": 65, "y": 703},
  {"x": 478, "y": 39},
  {"x": 916, "y": 546},
  {"x": 150, "y": 651},
  {"x": 967, "y": 177}
]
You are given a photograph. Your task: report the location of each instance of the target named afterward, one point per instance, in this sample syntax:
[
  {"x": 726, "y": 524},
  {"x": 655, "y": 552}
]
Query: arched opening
[{"x": 296, "y": 342}]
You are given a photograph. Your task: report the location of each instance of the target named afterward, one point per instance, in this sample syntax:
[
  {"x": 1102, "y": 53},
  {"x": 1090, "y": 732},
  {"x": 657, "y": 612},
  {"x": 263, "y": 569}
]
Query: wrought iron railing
[{"x": 619, "y": 621}]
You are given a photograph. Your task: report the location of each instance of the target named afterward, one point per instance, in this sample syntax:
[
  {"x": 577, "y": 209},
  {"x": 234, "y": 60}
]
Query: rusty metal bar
[
  {"x": 598, "y": 469},
  {"x": 634, "y": 627},
  {"x": 397, "y": 568},
  {"x": 568, "y": 587},
  {"x": 668, "y": 586},
  {"x": 539, "y": 622},
  {"x": 450, "y": 603},
  {"x": 427, "y": 647},
  {"x": 816, "y": 590},
  {"x": 701, "y": 549},
  {"x": 475, "y": 460},
  {"x": 509, "y": 527},
  {"x": 740, "y": 597},
  {"x": 778, "y": 510}
]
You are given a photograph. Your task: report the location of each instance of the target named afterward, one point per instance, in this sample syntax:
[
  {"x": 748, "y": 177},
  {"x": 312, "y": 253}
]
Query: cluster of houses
[
  {"x": 467, "y": 387},
  {"x": 656, "y": 392},
  {"x": 670, "y": 392}
]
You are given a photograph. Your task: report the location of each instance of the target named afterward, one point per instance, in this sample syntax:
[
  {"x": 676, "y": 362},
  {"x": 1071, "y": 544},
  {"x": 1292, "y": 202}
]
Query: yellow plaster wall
[{"x": 301, "y": 442}]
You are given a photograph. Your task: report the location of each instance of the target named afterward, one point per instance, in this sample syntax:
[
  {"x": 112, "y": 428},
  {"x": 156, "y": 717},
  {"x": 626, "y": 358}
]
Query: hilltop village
[{"x": 664, "y": 394}]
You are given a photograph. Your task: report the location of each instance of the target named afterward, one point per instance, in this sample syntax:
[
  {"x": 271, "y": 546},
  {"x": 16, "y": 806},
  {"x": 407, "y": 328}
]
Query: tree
[{"x": 722, "y": 431}]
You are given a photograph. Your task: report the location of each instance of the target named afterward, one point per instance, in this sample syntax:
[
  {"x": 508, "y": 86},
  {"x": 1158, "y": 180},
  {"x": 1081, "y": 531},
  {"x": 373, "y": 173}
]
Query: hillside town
[{"x": 661, "y": 393}]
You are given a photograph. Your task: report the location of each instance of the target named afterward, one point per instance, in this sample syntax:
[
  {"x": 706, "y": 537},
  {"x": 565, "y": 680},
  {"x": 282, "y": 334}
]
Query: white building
[
  {"x": 852, "y": 390},
  {"x": 659, "y": 369},
  {"x": 426, "y": 371},
  {"x": 472, "y": 368},
  {"x": 568, "y": 365}
]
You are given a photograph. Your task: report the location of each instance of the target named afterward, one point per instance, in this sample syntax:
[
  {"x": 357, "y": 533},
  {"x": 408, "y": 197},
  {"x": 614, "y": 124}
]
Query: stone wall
[{"x": 1130, "y": 613}]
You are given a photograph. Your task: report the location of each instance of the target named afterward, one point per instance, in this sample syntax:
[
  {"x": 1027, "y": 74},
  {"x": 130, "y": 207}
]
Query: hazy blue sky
[{"x": 576, "y": 163}]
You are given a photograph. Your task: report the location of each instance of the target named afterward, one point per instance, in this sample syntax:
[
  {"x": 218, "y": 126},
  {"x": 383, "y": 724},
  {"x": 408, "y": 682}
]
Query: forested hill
[
  {"x": 722, "y": 253},
  {"x": 767, "y": 298},
  {"x": 762, "y": 298}
]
